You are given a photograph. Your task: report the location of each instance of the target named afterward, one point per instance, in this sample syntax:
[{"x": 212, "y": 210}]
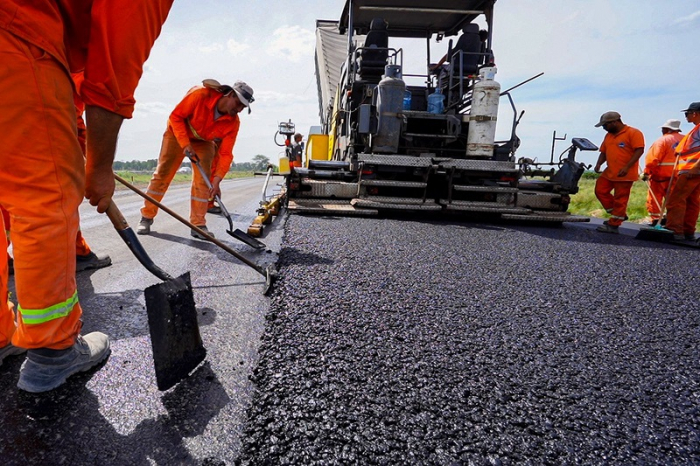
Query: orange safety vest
[{"x": 689, "y": 153}]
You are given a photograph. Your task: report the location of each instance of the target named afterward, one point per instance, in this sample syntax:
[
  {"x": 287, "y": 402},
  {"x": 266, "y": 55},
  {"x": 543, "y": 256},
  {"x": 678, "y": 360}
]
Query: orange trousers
[
  {"x": 82, "y": 248},
  {"x": 42, "y": 176},
  {"x": 658, "y": 189},
  {"x": 684, "y": 205},
  {"x": 169, "y": 161},
  {"x": 613, "y": 196}
]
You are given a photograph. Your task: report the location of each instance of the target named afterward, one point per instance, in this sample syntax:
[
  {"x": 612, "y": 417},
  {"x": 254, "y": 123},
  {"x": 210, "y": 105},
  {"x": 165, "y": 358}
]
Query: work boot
[
  {"x": 45, "y": 369},
  {"x": 144, "y": 227},
  {"x": 607, "y": 228},
  {"x": 92, "y": 261},
  {"x": 215, "y": 209},
  {"x": 195, "y": 233},
  {"x": 10, "y": 350},
  {"x": 653, "y": 223}
]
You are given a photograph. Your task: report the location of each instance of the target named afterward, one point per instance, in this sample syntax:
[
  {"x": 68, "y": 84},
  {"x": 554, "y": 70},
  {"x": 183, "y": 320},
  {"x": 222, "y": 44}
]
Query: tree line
[{"x": 259, "y": 164}]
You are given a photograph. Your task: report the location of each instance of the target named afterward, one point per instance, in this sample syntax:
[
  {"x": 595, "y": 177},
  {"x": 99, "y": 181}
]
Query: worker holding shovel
[
  {"x": 658, "y": 167},
  {"x": 207, "y": 113},
  {"x": 44, "y": 180}
]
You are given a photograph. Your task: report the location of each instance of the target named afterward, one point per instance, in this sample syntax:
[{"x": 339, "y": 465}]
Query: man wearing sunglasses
[
  {"x": 208, "y": 114},
  {"x": 620, "y": 150},
  {"x": 684, "y": 200}
]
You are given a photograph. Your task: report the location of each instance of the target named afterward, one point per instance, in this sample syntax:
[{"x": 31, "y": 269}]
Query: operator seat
[
  {"x": 470, "y": 44},
  {"x": 372, "y": 62}
]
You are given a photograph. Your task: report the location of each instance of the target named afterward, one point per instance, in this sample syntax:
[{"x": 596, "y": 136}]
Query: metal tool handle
[{"x": 195, "y": 161}]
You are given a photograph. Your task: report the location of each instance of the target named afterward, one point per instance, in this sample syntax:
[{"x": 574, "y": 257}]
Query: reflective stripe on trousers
[
  {"x": 43, "y": 182},
  {"x": 169, "y": 160}
]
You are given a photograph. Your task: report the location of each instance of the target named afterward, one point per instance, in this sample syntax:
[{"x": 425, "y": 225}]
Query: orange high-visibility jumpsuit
[
  {"x": 192, "y": 122},
  {"x": 613, "y": 191},
  {"x": 82, "y": 248},
  {"x": 42, "y": 172},
  {"x": 684, "y": 200},
  {"x": 658, "y": 165}
]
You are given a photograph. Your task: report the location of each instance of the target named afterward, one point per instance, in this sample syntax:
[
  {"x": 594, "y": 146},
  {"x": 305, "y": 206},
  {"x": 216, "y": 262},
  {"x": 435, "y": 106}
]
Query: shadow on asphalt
[
  {"x": 66, "y": 425},
  {"x": 293, "y": 255}
]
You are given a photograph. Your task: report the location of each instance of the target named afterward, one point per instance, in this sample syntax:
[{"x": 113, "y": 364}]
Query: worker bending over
[
  {"x": 620, "y": 150},
  {"x": 43, "y": 182},
  {"x": 206, "y": 113}
]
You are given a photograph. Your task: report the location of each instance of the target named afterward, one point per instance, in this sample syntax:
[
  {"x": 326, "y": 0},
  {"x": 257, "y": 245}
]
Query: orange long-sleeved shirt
[
  {"x": 193, "y": 118},
  {"x": 118, "y": 34},
  {"x": 661, "y": 157}
]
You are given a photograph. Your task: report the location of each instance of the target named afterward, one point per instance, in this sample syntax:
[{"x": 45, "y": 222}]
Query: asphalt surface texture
[
  {"x": 394, "y": 341},
  {"x": 384, "y": 341}
]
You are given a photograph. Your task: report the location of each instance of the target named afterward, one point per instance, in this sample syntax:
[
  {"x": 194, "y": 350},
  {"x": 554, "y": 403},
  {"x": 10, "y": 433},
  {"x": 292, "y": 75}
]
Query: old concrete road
[{"x": 116, "y": 415}]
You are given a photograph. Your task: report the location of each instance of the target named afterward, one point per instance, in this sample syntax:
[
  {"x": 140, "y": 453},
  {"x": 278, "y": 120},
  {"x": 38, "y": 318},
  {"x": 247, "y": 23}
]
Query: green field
[
  {"x": 141, "y": 179},
  {"x": 585, "y": 202}
]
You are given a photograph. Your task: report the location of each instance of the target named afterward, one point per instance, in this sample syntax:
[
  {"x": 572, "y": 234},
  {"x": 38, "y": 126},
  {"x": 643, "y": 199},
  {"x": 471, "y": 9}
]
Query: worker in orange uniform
[
  {"x": 206, "y": 113},
  {"x": 684, "y": 200},
  {"x": 658, "y": 167},
  {"x": 43, "y": 183},
  {"x": 620, "y": 150},
  {"x": 85, "y": 258},
  {"x": 296, "y": 151}
]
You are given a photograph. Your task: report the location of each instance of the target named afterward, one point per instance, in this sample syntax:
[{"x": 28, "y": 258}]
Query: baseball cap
[
  {"x": 608, "y": 117},
  {"x": 244, "y": 93},
  {"x": 694, "y": 107},
  {"x": 673, "y": 125}
]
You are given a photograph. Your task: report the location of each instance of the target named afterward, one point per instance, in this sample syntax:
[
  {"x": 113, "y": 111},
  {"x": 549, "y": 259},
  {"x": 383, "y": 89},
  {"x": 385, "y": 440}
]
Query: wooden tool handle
[{"x": 116, "y": 217}]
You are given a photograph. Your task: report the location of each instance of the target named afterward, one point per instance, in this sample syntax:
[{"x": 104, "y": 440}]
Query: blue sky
[{"x": 634, "y": 57}]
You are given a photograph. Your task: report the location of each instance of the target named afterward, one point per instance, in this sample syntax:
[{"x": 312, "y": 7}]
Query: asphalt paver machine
[{"x": 392, "y": 146}]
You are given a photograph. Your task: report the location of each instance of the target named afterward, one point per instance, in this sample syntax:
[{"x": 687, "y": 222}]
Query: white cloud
[
  {"x": 212, "y": 48},
  {"x": 236, "y": 48},
  {"x": 293, "y": 43},
  {"x": 146, "y": 109},
  {"x": 688, "y": 19}
]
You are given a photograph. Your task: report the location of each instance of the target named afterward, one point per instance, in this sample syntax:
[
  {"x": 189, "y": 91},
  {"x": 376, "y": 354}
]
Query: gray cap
[
  {"x": 694, "y": 107},
  {"x": 608, "y": 117}
]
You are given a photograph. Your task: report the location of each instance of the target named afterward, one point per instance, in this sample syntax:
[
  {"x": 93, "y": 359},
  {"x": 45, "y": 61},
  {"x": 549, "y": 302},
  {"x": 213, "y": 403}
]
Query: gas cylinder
[
  {"x": 483, "y": 114},
  {"x": 284, "y": 165},
  {"x": 390, "y": 95}
]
